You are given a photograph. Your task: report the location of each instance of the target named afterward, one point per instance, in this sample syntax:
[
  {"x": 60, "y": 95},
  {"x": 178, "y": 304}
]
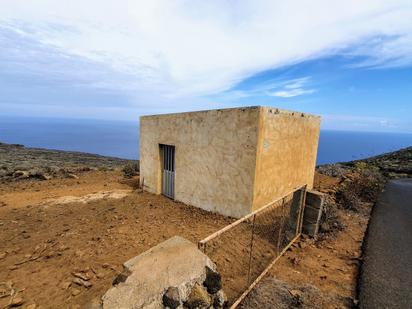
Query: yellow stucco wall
[
  {"x": 286, "y": 153},
  {"x": 214, "y": 160},
  {"x": 231, "y": 161}
]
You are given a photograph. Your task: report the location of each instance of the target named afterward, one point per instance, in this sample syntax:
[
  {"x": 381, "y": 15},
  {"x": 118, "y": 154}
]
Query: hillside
[{"x": 18, "y": 162}]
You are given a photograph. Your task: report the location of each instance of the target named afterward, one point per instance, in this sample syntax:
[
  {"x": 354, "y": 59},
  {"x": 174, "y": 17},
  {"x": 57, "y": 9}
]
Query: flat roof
[{"x": 271, "y": 109}]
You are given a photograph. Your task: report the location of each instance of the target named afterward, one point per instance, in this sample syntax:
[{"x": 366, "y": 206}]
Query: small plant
[{"x": 131, "y": 169}]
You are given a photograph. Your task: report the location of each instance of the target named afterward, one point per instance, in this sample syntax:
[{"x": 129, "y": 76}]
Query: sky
[{"x": 348, "y": 61}]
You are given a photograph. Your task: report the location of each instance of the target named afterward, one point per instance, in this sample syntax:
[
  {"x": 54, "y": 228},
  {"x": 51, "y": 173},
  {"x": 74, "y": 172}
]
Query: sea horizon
[{"x": 120, "y": 139}]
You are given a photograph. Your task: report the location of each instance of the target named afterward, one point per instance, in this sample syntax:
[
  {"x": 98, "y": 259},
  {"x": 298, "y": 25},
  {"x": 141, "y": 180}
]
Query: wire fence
[{"x": 244, "y": 250}]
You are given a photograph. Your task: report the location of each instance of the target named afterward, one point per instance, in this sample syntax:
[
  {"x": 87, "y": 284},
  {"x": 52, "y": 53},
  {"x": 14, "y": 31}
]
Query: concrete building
[{"x": 230, "y": 161}]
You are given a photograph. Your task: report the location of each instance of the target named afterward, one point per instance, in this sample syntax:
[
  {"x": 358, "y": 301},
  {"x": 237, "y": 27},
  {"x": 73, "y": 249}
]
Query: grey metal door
[{"x": 168, "y": 170}]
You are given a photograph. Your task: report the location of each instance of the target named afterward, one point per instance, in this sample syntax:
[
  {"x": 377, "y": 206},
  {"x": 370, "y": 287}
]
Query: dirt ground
[
  {"x": 45, "y": 246},
  {"x": 318, "y": 273},
  {"x": 54, "y": 232}
]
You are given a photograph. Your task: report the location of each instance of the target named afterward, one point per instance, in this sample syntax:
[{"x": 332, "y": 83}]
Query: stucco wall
[
  {"x": 286, "y": 153},
  {"x": 214, "y": 160}
]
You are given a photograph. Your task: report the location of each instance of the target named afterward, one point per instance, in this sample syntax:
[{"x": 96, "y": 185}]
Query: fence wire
[{"x": 245, "y": 248}]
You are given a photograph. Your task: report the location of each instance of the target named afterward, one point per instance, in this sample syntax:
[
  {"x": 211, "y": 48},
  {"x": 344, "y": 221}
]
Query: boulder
[
  {"x": 219, "y": 299},
  {"x": 213, "y": 281},
  {"x": 198, "y": 298},
  {"x": 171, "y": 298},
  {"x": 175, "y": 262}
]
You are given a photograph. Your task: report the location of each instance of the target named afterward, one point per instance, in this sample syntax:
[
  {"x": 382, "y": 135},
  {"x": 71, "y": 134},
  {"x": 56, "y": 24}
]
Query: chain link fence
[{"x": 244, "y": 250}]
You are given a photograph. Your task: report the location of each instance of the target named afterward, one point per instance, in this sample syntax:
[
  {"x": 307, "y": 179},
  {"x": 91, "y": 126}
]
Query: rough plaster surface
[
  {"x": 286, "y": 153},
  {"x": 175, "y": 262},
  {"x": 215, "y": 157},
  {"x": 231, "y": 161}
]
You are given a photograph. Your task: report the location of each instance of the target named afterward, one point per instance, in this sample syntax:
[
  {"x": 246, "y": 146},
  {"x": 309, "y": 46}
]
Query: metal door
[{"x": 168, "y": 170}]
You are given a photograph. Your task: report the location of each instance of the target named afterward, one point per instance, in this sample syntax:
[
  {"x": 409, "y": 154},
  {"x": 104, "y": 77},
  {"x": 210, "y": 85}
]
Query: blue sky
[{"x": 350, "y": 61}]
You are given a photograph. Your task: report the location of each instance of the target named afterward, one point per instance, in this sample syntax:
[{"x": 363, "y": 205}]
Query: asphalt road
[{"x": 386, "y": 274}]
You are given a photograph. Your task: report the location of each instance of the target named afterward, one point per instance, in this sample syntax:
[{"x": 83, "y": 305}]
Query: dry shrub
[
  {"x": 329, "y": 221},
  {"x": 131, "y": 169},
  {"x": 364, "y": 186}
]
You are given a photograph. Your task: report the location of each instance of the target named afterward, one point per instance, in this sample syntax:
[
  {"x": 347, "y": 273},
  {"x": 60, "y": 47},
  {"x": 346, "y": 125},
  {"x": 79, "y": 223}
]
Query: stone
[
  {"x": 17, "y": 301},
  {"x": 120, "y": 277},
  {"x": 213, "y": 281},
  {"x": 72, "y": 176},
  {"x": 76, "y": 292},
  {"x": 219, "y": 300},
  {"x": 82, "y": 282},
  {"x": 297, "y": 297},
  {"x": 44, "y": 176},
  {"x": 198, "y": 298},
  {"x": 175, "y": 262},
  {"x": 171, "y": 298},
  {"x": 65, "y": 285},
  {"x": 21, "y": 174},
  {"x": 31, "y": 306},
  {"x": 83, "y": 276},
  {"x": 3, "y": 255}
]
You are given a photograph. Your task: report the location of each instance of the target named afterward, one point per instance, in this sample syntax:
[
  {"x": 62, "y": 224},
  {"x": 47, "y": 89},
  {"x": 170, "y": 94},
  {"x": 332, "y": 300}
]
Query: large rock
[
  {"x": 198, "y": 298},
  {"x": 174, "y": 263}
]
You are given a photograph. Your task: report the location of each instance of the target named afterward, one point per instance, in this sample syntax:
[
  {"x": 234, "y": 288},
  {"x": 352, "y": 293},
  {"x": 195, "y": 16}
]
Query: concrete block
[
  {"x": 313, "y": 212},
  {"x": 174, "y": 263},
  {"x": 314, "y": 198}
]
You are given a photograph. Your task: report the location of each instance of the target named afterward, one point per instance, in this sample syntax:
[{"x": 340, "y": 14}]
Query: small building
[{"x": 231, "y": 161}]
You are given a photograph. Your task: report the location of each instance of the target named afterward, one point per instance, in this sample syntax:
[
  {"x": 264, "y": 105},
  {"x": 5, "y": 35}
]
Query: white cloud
[
  {"x": 285, "y": 88},
  {"x": 293, "y": 88},
  {"x": 195, "y": 48},
  {"x": 292, "y": 93}
]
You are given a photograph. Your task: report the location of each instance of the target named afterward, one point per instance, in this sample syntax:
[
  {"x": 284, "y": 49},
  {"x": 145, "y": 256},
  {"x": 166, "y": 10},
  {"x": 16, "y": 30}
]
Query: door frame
[{"x": 168, "y": 170}]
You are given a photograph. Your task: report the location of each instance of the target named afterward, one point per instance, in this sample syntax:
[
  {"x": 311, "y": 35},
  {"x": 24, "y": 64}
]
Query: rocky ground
[
  {"x": 18, "y": 162},
  {"x": 68, "y": 221}
]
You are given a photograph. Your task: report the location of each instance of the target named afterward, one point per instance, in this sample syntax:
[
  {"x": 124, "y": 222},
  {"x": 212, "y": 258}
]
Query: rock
[
  {"x": 219, "y": 300},
  {"x": 44, "y": 176},
  {"x": 120, "y": 277},
  {"x": 72, "y": 176},
  {"x": 21, "y": 174},
  {"x": 76, "y": 292},
  {"x": 213, "y": 281},
  {"x": 175, "y": 262},
  {"x": 31, "y": 306},
  {"x": 3, "y": 255},
  {"x": 171, "y": 298},
  {"x": 298, "y": 298},
  {"x": 65, "y": 285},
  {"x": 17, "y": 301},
  {"x": 82, "y": 276},
  {"x": 198, "y": 298},
  {"x": 82, "y": 282}
]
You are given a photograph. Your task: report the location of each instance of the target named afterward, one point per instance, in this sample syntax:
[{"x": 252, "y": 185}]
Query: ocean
[{"x": 121, "y": 138}]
